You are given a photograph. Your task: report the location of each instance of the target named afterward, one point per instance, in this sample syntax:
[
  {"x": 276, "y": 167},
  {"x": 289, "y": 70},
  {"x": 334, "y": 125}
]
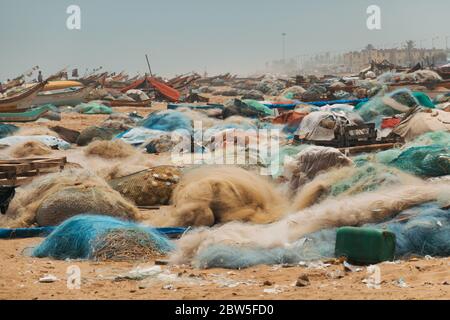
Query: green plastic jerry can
[{"x": 365, "y": 245}]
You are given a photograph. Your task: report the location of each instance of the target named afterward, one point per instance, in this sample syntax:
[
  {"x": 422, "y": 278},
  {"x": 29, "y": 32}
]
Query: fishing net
[
  {"x": 304, "y": 166},
  {"x": 396, "y": 102},
  {"x": 168, "y": 120},
  {"x": 150, "y": 187},
  {"x": 102, "y": 238},
  {"x": 315, "y": 246},
  {"x": 278, "y": 159},
  {"x": 55, "y": 197},
  {"x": 93, "y": 108},
  {"x": 423, "y": 99},
  {"x": 422, "y": 230},
  {"x": 30, "y": 148},
  {"x": 110, "y": 149},
  {"x": 94, "y": 133},
  {"x": 426, "y": 156},
  {"x": 246, "y": 108},
  {"x": 428, "y": 161},
  {"x": 7, "y": 130},
  {"x": 368, "y": 177}
]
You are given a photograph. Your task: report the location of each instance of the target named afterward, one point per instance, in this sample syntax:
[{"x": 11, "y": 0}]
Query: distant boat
[
  {"x": 21, "y": 101},
  {"x": 150, "y": 83},
  {"x": 65, "y": 97}
]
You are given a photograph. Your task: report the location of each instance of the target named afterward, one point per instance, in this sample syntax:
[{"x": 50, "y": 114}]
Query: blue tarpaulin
[{"x": 44, "y": 231}]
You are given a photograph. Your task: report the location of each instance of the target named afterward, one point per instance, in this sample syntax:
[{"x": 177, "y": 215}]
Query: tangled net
[{"x": 124, "y": 245}]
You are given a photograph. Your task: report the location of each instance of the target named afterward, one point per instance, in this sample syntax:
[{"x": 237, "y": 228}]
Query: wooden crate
[{"x": 19, "y": 171}]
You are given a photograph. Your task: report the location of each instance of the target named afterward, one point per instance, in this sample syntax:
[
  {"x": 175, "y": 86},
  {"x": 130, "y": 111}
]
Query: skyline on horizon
[{"x": 200, "y": 36}]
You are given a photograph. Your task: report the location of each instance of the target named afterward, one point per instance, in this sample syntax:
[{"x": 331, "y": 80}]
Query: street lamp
[{"x": 284, "y": 46}]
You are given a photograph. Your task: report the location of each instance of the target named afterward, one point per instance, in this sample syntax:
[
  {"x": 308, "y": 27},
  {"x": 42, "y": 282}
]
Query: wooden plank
[{"x": 368, "y": 148}]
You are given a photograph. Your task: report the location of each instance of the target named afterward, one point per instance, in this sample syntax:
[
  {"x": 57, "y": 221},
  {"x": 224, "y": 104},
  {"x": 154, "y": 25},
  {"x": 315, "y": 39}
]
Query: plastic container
[{"x": 365, "y": 245}]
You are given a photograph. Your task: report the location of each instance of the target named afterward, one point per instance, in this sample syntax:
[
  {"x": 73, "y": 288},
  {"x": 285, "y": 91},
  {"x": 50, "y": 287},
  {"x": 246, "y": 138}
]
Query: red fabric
[
  {"x": 290, "y": 118},
  {"x": 389, "y": 123}
]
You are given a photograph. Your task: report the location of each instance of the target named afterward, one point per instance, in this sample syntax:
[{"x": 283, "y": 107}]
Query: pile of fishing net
[
  {"x": 427, "y": 156},
  {"x": 253, "y": 95},
  {"x": 294, "y": 92},
  {"x": 270, "y": 87},
  {"x": 422, "y": 230},
  {"x": 396, "y": 102},
  {"x": 305, "y": 165},
  {"x": 168, "y": 120},
  {"x": 246, "y": 108},
  {"x": 95, "y": 133},
  {"x": 30, "y": 148},
  {"x": 216, "y": 194},
  {"x": 166, "y": 142},
  {"x": 119, "y": 122},
  {"x": 103, "y": 238},
  {"x": 93, "y": 107},
  {"x": 109, "y": 149},
  {"x": 427, "y": 161},
  {"x": 150, "y": 187},
  {"x": 368, "y": 177},
  {"x": 314, "y": 93},
  {"x": 351, "y": 180},
  {"x": 53, "y": 198},
  {"x": 284, "y": 154},
  {"x": 7, "y": 129},
  {"x": 416, "y": 76}
]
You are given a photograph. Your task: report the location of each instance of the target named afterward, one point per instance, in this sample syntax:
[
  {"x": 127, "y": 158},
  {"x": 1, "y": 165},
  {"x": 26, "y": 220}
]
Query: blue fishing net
[
  {"x": 422, "y": 230},
  {"x": 7, "y": 130},
  {"x": 378, "y": 107},
  {"x": 168, "y": 120},
  {"x": 77, "y": 237},
  {"x": 428, "y": 161},
  {"x": 426, "y": 156}
]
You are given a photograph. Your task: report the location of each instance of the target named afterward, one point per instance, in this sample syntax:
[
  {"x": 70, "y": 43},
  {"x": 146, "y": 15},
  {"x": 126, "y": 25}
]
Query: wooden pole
[{"x": 148, "y": 64}]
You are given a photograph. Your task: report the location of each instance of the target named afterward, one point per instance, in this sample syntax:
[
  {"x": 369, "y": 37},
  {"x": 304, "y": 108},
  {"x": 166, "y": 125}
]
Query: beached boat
[
  {"x": 65, "y": 97},
  {"x": 26, "y": 116},
  {"x": 21, "y": 101}
]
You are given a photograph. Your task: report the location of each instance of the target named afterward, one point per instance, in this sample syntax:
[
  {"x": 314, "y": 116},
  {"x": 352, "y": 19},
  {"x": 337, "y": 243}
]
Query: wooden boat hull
[
  {"x": 65, "y": 98},
  {"x": 26, "y": 116},
  {"x": 21, "y": 101}
]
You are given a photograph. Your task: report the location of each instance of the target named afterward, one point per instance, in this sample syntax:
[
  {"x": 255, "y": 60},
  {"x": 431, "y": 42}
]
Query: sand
[{"x": 19, "y": 279}]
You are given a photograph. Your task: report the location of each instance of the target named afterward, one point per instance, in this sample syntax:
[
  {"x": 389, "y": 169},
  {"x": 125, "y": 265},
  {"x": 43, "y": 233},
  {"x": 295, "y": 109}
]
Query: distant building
[{"x": 357, "y": 60}]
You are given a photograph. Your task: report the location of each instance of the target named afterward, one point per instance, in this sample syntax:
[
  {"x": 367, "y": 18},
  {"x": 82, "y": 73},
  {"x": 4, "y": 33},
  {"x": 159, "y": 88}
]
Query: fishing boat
[
  {"x": 65, "y": 97},
  {"x": 21, "y": 101},
  {"x": 24, "y": 116}
]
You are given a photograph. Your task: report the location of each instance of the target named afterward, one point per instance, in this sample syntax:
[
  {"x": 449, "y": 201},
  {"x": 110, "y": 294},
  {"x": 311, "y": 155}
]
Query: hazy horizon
[{"x": 216, "y": 36}]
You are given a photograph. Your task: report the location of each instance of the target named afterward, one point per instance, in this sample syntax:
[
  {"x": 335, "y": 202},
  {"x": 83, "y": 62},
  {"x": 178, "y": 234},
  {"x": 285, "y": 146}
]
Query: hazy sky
[{"x": 186, "y": 35}]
